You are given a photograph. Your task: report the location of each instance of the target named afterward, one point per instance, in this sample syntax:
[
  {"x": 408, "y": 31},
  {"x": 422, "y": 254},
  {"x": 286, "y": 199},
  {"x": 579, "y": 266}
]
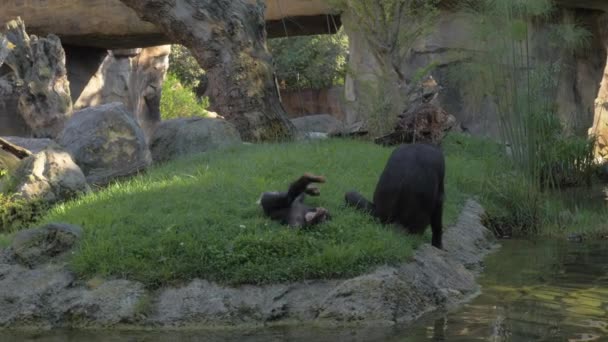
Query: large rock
[
  {"x": 40, "y": 80},
  {"x": 32, "y": 247},
  {"x": 47, "y": 296},
  {"x": 34, "y": 145},
  {"x": 131, "y": 76},
  {"x": 49, "y": 175},
  {"x": 180, "y": 137},
  {"x": 106, "y": 142},
  {"x": 8, "y": 161},
  {"x": 321, "y": 123}
]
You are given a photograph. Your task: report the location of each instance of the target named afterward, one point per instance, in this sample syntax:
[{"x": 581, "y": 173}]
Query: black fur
[
  {"x": 410, "y": 190},
  {"x": 289, "y": 208}
]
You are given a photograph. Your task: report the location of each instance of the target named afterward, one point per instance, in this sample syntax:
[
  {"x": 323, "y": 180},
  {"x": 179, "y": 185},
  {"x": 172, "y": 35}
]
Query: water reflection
[
  {"x": 553, "y": 291},
  {"x": 550, "y": 291}
]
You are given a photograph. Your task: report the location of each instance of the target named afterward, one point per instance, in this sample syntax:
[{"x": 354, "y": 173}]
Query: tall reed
[{"x": 523, "y": 46}]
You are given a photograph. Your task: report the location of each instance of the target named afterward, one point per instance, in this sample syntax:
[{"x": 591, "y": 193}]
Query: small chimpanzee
[
  {"x": 289, "y": 208},
  {"x": 409, "y": 191}
]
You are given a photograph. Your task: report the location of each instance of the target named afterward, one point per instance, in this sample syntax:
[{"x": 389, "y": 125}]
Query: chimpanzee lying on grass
[
  {"x": 410, "y": 190},
  {"x": 288, "y": 207}
]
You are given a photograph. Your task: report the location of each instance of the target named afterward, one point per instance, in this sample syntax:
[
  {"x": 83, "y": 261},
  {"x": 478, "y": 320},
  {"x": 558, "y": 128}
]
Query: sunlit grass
[{"x": 197, "y": 217}]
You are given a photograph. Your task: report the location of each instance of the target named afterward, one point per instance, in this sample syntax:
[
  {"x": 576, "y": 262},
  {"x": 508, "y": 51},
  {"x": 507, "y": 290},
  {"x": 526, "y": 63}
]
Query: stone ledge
[{"x": 51, "y": 296}]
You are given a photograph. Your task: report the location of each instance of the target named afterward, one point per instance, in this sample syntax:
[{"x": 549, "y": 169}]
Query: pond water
[{"x": 532, "y": 291}]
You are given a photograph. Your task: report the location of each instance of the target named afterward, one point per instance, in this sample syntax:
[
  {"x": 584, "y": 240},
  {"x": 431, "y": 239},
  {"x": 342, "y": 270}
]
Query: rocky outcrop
[
  {"x": 39, "y": 80},
  {"x": 10, "y": 158},
  {"x": 131, "y": 76},
  {"x": 32, "y": 247},
  {"x": 322, "y": 123},
  {"x": 106, "y": 142},
  {"x": 452, "y": 43},
  {"x": 180, "y": 137},
  {"x": 50, "y": 176},
  {"x": 38, "y": 293}
]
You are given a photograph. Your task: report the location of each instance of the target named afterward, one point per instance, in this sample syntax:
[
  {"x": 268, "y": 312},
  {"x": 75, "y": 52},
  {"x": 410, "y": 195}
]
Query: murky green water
[{"x": 555, "y": 291}]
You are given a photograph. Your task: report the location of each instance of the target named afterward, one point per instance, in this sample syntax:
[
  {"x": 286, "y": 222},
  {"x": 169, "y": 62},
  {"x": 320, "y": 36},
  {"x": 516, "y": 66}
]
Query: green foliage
[
  {"x": 185, "y": 67},
  {"x": 16, "y": 214},
  {"x": 390, "y": 28},
  {"x": 525, "y": 87},
  {"x": 316, "y": 62},
  {"x": 179, "y": 101},
  {"x": 5, "y": 240},
  {"x": 514, "y": 205},
  {"x": 376, "y": 101}
]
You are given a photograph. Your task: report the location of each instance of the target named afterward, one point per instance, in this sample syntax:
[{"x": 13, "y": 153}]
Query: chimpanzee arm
[
  {"x": 358, "y": 201},
  {"x": 300, "y": 186}
]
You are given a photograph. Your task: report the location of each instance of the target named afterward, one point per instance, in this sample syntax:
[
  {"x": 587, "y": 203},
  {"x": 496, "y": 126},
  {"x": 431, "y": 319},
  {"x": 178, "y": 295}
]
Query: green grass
[
  {"x": 5, "y": 240},
  {"x": 197, "y": 217}
]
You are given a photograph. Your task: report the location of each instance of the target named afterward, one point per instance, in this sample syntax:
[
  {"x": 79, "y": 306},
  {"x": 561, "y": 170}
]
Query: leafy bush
[
  {"x": 18, "y": 214},
  {"x": 316, "y": 62},
  {"x": 185, "y": 67},
  {"x": 179, "y": 101}
]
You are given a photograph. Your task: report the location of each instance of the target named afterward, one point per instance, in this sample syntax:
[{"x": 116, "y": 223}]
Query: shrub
[
  {"x": 16, "y": 214},
  {"x": 317, "y": 61},
  {"x": 185, "y": 67},
  {"x": 179, "y": 101}
]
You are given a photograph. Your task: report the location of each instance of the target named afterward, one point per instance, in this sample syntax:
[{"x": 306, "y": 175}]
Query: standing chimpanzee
[
  {"x": 410, "y": 190},
  {"x": 288, "y": 207}
]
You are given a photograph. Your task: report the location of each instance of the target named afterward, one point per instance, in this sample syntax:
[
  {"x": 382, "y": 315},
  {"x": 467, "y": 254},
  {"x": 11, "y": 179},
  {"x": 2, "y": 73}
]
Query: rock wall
[{"x": 450, "y": 44}]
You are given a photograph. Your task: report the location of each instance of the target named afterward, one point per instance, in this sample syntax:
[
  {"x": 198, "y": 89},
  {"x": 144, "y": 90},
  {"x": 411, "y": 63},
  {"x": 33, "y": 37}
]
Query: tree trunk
[{"x": 228, "y": 39}]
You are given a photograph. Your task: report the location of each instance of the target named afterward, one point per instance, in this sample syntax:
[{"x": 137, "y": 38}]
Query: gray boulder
[
  {"x": 106, "y": 142},
  {"x": 49, "y": 175},
  {"x": 180, "y": 137},
  {"x": 322, "y": 123},
  {"x": 51, "y": 296},
  {"x": 8, "y": 161},
  {"x": 33, "y": 145},
  {"x": 36, "y": 246}
]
